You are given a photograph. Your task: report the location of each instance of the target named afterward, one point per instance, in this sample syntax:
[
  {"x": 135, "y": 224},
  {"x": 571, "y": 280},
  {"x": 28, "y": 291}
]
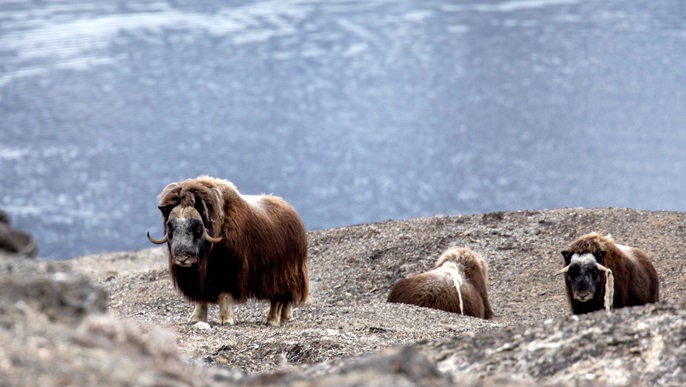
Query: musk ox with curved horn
[
  {"x": 602, "y": 274},
  {"x": 226, "y": 247},
  {"x": 457, "y": 284}
]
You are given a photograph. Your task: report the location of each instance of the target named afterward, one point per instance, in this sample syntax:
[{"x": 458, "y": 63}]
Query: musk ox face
[
  {"x": 186, "y": 236},
  {"x": 583, "y": 274}
]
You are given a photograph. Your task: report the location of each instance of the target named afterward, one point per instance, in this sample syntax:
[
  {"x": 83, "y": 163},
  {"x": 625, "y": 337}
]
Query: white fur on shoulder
[{"x": 452, "y": 269}]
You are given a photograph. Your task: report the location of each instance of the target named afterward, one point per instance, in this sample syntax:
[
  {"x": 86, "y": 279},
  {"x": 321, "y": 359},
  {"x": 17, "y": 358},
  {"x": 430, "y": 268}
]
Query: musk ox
[
  {"x": 457, "y": 284},
  {"x": 226, "y": 247},
  {"x": 602, "y": 274}
]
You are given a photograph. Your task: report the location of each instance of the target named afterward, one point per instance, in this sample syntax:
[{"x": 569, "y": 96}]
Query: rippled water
[{"x": 353, "y": 111}]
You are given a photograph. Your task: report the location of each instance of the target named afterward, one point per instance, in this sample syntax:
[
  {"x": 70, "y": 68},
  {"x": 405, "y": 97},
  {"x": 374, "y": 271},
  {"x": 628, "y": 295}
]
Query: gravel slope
[{"x": 352, "y": 269}]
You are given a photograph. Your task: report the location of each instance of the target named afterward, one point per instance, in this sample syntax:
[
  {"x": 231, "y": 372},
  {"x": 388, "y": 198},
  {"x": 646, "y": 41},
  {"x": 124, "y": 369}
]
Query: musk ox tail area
[{"x": 457, "y": 284}]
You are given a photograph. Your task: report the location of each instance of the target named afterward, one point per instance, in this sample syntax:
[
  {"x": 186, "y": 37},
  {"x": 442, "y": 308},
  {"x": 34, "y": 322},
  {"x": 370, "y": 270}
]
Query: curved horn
[
  {"x": 212, "y": 240},
  {"x": 164, "y": 239},
  {"x": 564, "y": 270},
  {"x": 601, "y": 267}
]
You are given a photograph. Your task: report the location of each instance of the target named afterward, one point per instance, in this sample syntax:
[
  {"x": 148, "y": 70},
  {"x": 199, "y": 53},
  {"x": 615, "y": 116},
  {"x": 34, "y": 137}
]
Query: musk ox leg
[
  {"x": 286, "y": 312},
  {"x": 274, "y": 315},
  {"x": 225, "y": 302},
  {"x": 199, "y": 313}
]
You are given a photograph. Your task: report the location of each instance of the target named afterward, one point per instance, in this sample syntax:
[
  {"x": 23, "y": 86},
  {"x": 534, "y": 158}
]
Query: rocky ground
[{"x": 116, "y": 319}]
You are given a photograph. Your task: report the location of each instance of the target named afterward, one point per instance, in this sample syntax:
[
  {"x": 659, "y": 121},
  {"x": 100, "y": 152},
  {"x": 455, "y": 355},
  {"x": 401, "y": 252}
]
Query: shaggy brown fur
[
  {"x": 437, "y": 288},
  {"x": 262, "y": 253},
  {"x": 635, "y": 279}
]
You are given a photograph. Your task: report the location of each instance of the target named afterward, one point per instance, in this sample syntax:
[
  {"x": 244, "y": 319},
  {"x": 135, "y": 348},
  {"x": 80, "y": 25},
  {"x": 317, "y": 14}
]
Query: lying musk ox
[
  {"x": 226, "y": 247},
  {"x": 602, "y": 274},
  {"x": 457, "y": 284}
]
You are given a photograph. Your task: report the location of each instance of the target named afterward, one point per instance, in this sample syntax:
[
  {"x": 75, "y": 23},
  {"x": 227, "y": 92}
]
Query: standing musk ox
[
  {"x": 457, "y": 284},
  {"x": 602, "y": 274},
  {"x": 226, "y": 247}
]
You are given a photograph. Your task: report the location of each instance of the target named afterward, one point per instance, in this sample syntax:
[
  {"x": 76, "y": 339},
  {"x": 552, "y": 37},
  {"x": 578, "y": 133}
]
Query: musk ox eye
[{"x": 197, "y": 229}]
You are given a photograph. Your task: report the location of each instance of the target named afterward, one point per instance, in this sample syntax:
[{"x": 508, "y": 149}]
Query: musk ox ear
[
  {"x": 567, "y": 255},
  {"x": 168, "y": 199},
  {"x": 166, "y": 210},
  {"x": 599, "y": 256}
]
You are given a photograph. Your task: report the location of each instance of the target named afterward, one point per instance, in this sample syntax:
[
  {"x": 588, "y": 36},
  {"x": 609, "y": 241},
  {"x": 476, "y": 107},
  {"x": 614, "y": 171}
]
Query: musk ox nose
[
  {"x": 184, "y": 260},
  {"x": 184, "y": 256},
  {"x": 583, "y": 296}
]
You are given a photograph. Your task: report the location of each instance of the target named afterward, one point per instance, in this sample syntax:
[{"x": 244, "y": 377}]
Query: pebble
[{"x": 202, "y": 326}]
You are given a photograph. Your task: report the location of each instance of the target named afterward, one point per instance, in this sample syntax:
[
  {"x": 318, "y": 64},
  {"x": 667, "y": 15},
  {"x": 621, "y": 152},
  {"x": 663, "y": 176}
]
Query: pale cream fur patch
[
  {"x": 452, "y": 269},
  {"x": 256, "y": 202},
  {"x": 628, "y": 251},
  {"x": 584, "y": 259}
]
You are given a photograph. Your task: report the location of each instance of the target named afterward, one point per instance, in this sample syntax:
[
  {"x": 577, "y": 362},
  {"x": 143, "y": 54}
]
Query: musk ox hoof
[
  {"x": 199, "y": 313},
  {"x": 273, "y": 320},
  {"x": 286, "y": 313},
  {"x": 196, "y": 319},
  {"x": 228, "y": 321},
  {"x": 225, "y": 309},
  {"x": 279, "y": 313}
]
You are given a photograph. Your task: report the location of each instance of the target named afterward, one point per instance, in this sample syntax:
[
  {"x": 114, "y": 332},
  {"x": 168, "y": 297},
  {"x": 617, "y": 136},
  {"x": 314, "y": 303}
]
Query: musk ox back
[
  {"x": 226, "y": 247},
  {"x": 457, "y": 284},
  {"x": 602, "y": 274}
]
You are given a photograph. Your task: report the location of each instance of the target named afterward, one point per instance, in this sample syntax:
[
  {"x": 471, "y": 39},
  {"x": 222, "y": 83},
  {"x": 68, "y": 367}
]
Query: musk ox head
[
  {"x": 465, "y": 258},
  {"x": 186, "y": 221},
  {"x": 584, "y": 273}
]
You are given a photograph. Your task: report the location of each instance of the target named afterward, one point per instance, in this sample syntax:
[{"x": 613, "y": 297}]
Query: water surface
[{"x": 353, "y": 112}]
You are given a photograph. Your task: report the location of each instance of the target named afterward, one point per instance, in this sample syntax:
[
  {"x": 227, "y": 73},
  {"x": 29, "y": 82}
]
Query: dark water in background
[{"x": 353, "y": 111}]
